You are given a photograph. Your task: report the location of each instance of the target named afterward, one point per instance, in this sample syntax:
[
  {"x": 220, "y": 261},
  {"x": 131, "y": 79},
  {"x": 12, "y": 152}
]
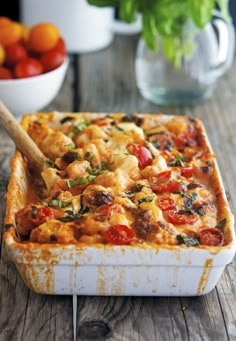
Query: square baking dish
[{"x": 104, "y": 269}]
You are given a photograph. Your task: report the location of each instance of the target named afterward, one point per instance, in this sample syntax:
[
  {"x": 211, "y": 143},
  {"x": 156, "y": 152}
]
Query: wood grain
[{"x": 105, "y": 81}]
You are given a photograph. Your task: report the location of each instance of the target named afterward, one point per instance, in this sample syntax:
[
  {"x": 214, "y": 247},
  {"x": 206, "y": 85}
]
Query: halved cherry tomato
[
  {"x": 178, "y": 218},
  {"x": 187, "y": 172},
  {"x": 185, "y": 139},
  {"x": 174, "y": 186},
  {"x": 107, "y": 210},
  {"x": 143, "y": 155},
  {"x": 15, "y": 53},
  {"x": 163, "y": 183},
  {"x": 119, "y": 235},
  {"x": 165, "y": 202},
  {"x": 211, "y": 236},
  {"x": 27, "y": 68},
  {"x": 33, "y": 216}
]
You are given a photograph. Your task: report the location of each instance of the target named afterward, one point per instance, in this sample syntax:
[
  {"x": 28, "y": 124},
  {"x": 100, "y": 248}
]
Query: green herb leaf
[
  {"x": 221, "y": 224},
  {"x": 77, "y": 129},
  {"x": 58, "y": 203},
  {"x": 149, "y": 198},
  {"x": 201, "y": 11},
  {"x": 80, "y": 181},
  {"x": 127, "y": 10},
  {"x": 189, "y": 241}
]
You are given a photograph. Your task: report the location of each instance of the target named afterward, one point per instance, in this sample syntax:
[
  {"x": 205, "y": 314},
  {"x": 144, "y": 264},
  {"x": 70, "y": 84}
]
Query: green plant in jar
[{"x": 167, "y": 18}]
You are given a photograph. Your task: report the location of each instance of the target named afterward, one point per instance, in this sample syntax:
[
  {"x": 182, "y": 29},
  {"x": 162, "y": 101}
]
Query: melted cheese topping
[{"x": 121, "y": 182}]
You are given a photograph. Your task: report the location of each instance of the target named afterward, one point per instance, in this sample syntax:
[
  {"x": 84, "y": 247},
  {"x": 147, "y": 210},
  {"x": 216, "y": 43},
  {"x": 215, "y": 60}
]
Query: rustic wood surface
[{"x": 104, "y": 81}]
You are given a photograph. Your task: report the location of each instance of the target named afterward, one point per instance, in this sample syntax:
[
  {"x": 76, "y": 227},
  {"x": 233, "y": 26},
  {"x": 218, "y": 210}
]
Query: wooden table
[{"x": 104, "y": 81}]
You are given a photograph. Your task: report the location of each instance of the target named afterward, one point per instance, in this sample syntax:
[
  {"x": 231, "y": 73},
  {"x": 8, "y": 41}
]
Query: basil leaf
[
  {"x": 149, "y": 31},
  {"x": 201, "y": 11},
  {"x": 58, "y": 203},
  {"x": 221, "y": 224},
  {"x": 149, "y": 198},
  {"x": 77, "y": 129},
  {"x": 189, "y": 241},
  {"x": 127, "y": 10},
  {"x": 80, "y": 181}
]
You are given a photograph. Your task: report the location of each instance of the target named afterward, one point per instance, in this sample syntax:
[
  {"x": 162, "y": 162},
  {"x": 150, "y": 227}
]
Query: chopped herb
[
  {"x": 177, "y": 161},
  {"x": 221, "y": 224},
  {"x": 149, "y": 198},
  {"x": 71, "y": 145},
  {"x": 193, "y": 186},
  {"x": 191, "y": 196},
  {"x": 58, "y": 203},
  {"x": 97, "y": 171},
  {"x": 189, "y": 241},
  {"x": 137, "y": 188},
  {"x": 165, "y": 144},
  {"x": 52, "y": 164},
  {"x": 34, "y": 211},
  {"x": 77, "y": 129},
  {"x": 71, "y": 217},
  {"x": 80, "y": 181},
  {"x": 89, "y": 157},
  {"x": 66, "y": 119}
]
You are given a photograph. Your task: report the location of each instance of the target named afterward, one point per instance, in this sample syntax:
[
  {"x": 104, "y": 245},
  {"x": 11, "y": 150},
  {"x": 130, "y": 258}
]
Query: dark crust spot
[
  {"x": 143, "y": 225},
  {"x": 69, "y": 157},
  {"x": 100, "y": 198}
]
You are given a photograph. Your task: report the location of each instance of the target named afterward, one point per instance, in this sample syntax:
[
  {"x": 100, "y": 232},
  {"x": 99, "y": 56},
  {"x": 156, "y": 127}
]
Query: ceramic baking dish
[{"x": 99, "y": 269}]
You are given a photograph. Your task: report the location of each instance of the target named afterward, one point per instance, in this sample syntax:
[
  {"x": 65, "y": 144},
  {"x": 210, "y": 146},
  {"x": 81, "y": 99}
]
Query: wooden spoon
[{"x": 22, "y": 140}]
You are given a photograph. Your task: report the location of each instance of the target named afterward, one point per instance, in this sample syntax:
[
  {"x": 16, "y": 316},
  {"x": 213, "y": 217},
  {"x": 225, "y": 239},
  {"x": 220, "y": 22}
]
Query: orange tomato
[
  {"x": 4, "y": 21},
  {"x": 2, "y": 55},
  {"x": 10, "y": 33},
  {"x": 43, "y": 37}
]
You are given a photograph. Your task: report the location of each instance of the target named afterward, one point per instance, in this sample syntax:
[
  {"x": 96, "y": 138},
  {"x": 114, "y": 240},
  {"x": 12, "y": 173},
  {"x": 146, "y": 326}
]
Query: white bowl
[{"x": 29, "y": 95}]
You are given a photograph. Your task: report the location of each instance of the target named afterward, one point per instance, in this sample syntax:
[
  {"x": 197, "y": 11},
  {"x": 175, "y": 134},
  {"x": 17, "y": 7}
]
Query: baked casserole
[{"x": 135, "y": 193}]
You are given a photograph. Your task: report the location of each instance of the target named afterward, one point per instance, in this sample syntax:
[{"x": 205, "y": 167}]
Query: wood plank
[{"x": 25, "y": 315}]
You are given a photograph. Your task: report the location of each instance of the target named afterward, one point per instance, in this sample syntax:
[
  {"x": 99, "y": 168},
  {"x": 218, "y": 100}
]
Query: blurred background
[{"x": 11, "y": 9}]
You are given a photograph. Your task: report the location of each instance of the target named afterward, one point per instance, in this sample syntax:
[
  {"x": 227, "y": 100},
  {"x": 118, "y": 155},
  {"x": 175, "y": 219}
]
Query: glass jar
[{"x": 201, "y": 57}]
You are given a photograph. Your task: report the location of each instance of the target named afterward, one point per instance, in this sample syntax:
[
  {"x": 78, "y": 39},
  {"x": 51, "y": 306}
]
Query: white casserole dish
[{"x": 109, "y": 269}]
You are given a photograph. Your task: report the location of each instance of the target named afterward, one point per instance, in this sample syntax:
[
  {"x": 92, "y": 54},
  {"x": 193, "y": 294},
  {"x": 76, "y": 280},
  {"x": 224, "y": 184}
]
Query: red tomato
[
  {"x": 165, "y": 202},
  {"x": 52, "y": 59},
  {"x": 184, "y": 140},
  {"x": 162, "y": 183},
  {"x": 187, "y": 172},
  {"x": 29, "y": 217},
  {"x": 119, "y": 235},
  {"x": 15, "y": 53},
  {"x": 143, "y": 155},
  {"x": 178, "y": 218},
  {"x": 5, "y": 73},
  {"x": 211, "y": 236},
  {"x": 43, "y": 214},
  {"x": 28, "y": 67},
  {"x": 174, "y": 186},
  {"x": 107, "y": 210}
]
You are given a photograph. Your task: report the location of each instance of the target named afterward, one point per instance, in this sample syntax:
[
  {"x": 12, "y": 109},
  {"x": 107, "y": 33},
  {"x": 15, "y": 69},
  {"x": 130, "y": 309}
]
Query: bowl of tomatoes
[{"x": 33, "y": 65}]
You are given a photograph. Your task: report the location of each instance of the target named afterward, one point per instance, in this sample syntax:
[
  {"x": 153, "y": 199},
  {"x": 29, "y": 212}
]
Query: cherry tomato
[
  {"x": 187, "y": 172},
  {"x": 178, "y": 218},
  {"x": 41, "y": 215},
  {"x": 107, "y": 210},
  {"x": 211, "y": 236},
  {"x": 5, "y": 73},
  {"x": 28, "y": 67},
  {"x": 165, "y": 202},
  {"x": 174, "y": 186},
  {"x": 32, "y": 216},
  {"x": 143, "y": 155},
  {"x": 15, "y": 53},
  {"x": 52, "y": 59},
  {"x": 119, "y": 235},
  {"x": 162, "y": 183},
  {"x": 184, "y": 140}
]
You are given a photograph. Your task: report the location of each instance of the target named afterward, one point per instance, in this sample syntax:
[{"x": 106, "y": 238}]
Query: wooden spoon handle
[{"x": 22, "y": 140}]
